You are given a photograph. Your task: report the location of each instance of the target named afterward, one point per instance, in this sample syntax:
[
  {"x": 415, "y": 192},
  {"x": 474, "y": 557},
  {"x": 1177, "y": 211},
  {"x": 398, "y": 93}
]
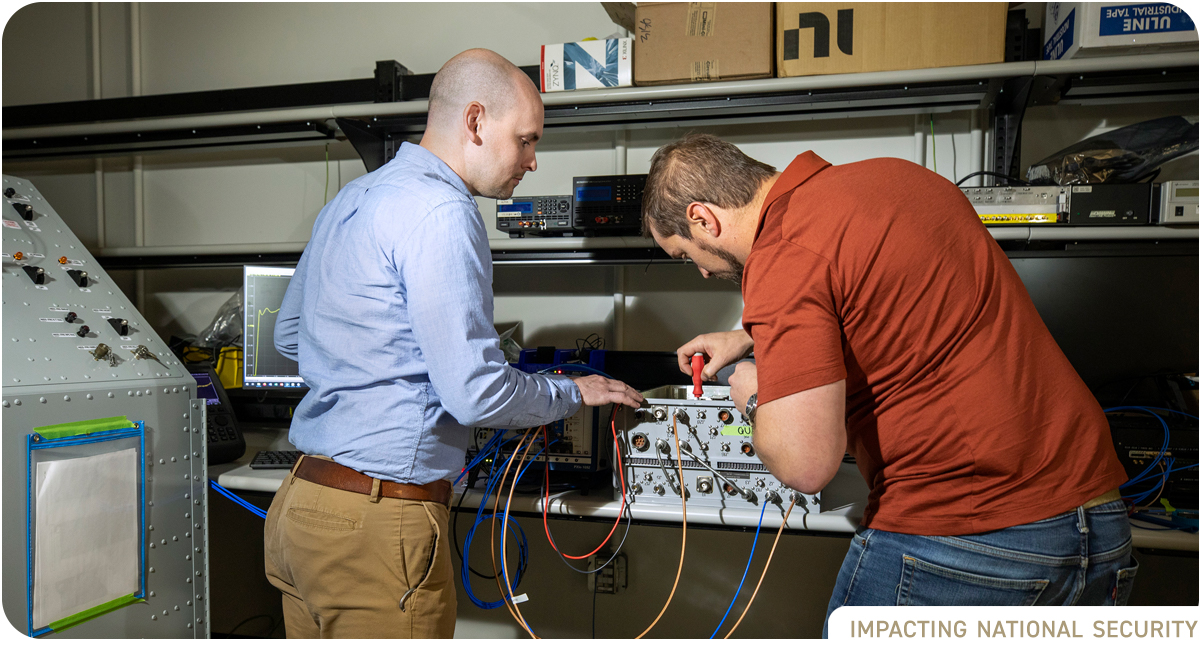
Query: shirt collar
[
  {"x": 803, "y": 167},
  {"x": 419, "y": 154}
]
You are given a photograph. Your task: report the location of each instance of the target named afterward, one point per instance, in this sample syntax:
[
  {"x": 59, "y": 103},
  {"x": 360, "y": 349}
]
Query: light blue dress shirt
[{"x": 389, "y": 314}]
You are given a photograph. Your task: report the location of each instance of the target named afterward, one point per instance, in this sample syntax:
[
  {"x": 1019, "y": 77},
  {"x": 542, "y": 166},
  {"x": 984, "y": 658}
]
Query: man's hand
[
  {"x": 599, "y": 391},
  {"x": 742, "y": 384},
  {"x": 721, "y": 349}
]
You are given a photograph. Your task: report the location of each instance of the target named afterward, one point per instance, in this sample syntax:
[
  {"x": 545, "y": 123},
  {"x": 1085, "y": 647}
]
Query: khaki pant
[{"x": 352, "y": 568}]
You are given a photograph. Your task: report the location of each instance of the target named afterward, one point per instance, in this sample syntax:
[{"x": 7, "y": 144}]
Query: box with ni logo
[
  {"x": 595, "y": 64},
  {"x": 685, "y": 42},
  {"x": 1087, "y": 29},
  {"x": 855, "y": 37}
]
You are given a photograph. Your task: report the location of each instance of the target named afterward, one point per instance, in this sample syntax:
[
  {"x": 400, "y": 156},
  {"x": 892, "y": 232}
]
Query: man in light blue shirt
[{"x": 389, "y": 315}]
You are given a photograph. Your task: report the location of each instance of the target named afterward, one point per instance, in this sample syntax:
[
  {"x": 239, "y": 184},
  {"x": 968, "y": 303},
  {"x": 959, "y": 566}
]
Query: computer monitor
[
  {"x": 1118, "y": 314},
  {"x": 264, "y": 368}
]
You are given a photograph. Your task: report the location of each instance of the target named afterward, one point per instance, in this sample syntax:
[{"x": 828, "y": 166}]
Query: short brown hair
[{"x": 698, "y": 168}]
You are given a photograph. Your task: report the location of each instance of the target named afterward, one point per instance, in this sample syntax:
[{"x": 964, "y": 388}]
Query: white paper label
[
  {"x": 32, "y": 226},
  {"x": 40, "y": 287},
  {"x": 86, "y": 533},
  {"x": 65, "y": 334},
  {"x": 74, "y": 262},
  {"x": 11, "y": 224},
  {"x": 103, "y": 310},
  {"x": 129, "y": 347},
  {"x": 35, "y": 255},
  {"x": 50, "y": 320},
  {"x": 1082, "y": 189},
  {"x": 59, "y": 309},
  {"x": 90, "y": 347},
  {"x": 86, "y": 290}
]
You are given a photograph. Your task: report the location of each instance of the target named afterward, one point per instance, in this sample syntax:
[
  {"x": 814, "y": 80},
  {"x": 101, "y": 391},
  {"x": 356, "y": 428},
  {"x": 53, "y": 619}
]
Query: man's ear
[
  {"x": 473, "y": 122},
  {"x": 702, "y": 218}
]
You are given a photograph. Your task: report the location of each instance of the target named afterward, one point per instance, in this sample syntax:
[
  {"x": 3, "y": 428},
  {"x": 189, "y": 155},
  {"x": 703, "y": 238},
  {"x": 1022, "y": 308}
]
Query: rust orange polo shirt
[{"x": 962, "y": 412}]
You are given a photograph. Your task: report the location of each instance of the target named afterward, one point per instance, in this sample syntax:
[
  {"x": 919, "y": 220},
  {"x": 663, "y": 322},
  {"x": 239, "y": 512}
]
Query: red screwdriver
[{"x": 697, "y": 370}]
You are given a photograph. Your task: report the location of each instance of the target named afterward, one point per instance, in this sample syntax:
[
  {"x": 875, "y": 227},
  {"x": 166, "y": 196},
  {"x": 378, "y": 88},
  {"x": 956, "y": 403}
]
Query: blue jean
[{"x": 1082, "y": 557}]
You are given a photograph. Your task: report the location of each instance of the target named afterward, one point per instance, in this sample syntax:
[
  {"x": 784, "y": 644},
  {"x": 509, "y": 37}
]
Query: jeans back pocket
[
  {"x": 1123, "y": 585},
  {"x": 923, "y": 583}
]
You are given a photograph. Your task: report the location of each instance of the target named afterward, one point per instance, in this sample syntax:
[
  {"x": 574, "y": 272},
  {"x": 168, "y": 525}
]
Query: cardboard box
[
  {"x": 853, "y": 37},
  {"x": 1083, "y": 29},
  {"x": 587, "y": 65},
  {"x": 683, "y": 42}
]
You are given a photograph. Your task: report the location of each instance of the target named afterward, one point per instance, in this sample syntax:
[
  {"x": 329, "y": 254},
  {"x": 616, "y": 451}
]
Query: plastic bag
[
  {"x": 510, "y": 347},
  {"x": 226, "y": 326},
  {"x": 1126, "y": 154}
]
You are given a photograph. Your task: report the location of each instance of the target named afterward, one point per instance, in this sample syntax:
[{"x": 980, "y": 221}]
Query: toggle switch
[
  {"x": 35, "y": 273},
  {"x": 120, "y": 325},
  {"x": 24, "y": 210},
  {"x": 80, "y": 277}
]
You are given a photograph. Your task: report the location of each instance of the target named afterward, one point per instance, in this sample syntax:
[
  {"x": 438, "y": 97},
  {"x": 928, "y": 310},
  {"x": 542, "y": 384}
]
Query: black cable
[
  {"x": 248, "y": 620},
  {"x": 1002, "y": 176},
  {"x": 1152, "y": 176}
]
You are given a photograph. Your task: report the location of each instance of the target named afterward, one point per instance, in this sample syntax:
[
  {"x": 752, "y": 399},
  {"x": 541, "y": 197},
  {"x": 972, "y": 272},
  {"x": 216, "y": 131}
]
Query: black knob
[
  {"x": 83, "y": 331},
  {"x": 9, "y": 192},
  {"x": 70, "y": 317},
  {"x": 24, "y": 210}
]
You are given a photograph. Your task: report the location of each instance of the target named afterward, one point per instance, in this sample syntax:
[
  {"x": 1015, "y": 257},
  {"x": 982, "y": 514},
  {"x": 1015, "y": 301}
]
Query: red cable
[{"x": 620, "y": 470}]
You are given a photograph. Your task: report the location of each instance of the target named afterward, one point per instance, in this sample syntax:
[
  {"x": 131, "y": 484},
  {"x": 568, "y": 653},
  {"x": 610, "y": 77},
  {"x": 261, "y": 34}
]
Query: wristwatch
[{"x": 751, "y": 408}]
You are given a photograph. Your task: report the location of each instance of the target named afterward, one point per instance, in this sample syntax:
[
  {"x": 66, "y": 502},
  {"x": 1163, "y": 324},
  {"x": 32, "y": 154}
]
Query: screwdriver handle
[{"x": 697, "y": 370}]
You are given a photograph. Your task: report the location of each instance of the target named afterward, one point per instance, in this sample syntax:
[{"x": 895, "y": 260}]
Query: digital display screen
[
  {"x": 593, "y": 194},
  {"x": 523, "y": 208},
  {"x": 1186, "y": 192},
  {"x": 206, "y": 389}
]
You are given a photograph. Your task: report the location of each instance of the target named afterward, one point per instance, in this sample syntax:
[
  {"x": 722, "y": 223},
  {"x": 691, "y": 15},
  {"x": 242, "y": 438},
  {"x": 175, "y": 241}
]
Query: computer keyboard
[{"x": 275, "y": 460}]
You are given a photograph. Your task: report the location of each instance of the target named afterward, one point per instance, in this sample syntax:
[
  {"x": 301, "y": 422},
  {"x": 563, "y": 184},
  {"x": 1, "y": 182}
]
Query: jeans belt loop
[{"x": 376, "y": 487}]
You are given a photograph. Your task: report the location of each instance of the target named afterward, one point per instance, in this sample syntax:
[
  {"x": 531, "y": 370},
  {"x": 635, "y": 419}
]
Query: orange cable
[
  {"x": 683, "y": 546},
  {"x": 504, "y": 531},
  {"x": 495, "y": 507}
]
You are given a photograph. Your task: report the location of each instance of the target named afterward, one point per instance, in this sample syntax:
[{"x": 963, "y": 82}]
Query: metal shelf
[
  {"x": 300, "y": 114},
  {"x": 616, "y": 251}
]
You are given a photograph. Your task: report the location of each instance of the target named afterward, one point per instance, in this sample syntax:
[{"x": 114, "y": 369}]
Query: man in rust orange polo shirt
[{"x": 887, "y": 323}]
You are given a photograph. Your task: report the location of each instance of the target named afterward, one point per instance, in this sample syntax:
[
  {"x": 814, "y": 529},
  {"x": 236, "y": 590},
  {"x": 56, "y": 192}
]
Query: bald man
[{"x": 389, "y": 315}]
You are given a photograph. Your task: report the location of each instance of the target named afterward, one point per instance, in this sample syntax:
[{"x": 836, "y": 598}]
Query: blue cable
[
  {"x": 748, "y": 561},
  {"x": 577, "y": 367},
  {"x": 480, "y": 456},
  {"x": 1177, "y": 412},
  {"x": 1154, "y": 489},
  {"x": 480, "y": 517},
  {"x": 1166, "y": 438},
  {"x": 237, "y": 500}
]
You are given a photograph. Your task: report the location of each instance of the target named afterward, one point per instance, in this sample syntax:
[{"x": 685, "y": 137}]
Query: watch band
[{"x": 751, "y": 408}]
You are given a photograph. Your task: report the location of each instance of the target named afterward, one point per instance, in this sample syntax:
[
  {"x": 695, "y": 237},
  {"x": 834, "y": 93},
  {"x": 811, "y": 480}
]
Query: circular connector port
[
  {"x": 640, "y": 442},
  {"x": 658, "y": 489},
  {"x": 747, "y": 449},
  {"x": 660, "y": 413},
  {"x": 704, "y": 485},
  {"x": 725, "y": 416},
  {"x": 730, "y": 490}
]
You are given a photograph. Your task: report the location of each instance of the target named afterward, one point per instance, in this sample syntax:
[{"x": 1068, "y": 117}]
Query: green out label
[{"x": 743, "y": 431}]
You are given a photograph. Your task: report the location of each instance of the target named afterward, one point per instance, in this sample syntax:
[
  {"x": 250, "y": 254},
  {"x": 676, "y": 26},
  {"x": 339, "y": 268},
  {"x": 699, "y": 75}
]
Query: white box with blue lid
[{"x": 1089, "y": 29}]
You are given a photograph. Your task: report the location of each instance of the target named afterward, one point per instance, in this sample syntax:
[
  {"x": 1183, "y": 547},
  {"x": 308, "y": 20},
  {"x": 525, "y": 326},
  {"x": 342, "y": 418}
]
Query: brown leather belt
[
  {"x": 328, "y": 473},
  {"x": 1111, "y": 496}
]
